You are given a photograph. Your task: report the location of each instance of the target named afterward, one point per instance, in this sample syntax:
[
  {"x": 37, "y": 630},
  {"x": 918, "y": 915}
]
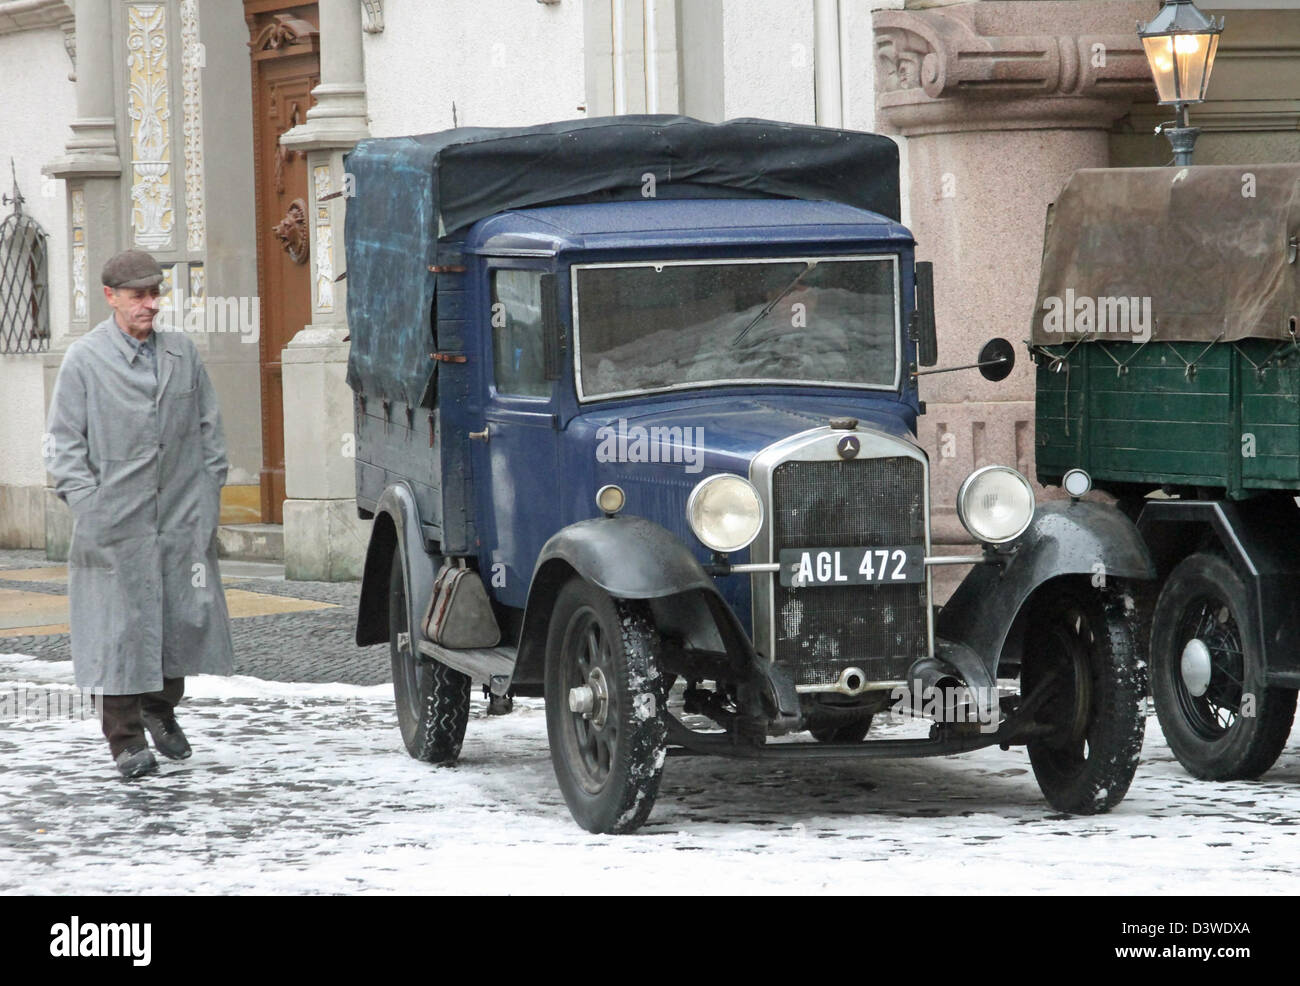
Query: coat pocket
[
  {"x": 127, "y": 502},
  {"x": 85, "y": 550}
]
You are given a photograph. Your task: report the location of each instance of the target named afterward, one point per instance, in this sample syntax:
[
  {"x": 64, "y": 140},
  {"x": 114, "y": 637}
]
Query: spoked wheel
[
  {"x": 432, "y": 699},
  {"x": 1079, "y": 652},
  {"x": 1208, "y": 675},
  {"x": 605, "y": 714}
]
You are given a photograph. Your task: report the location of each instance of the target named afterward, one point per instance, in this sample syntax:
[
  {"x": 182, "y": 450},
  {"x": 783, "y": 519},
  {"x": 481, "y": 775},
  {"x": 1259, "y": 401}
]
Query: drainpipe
[{"x": 827, "y": 81}]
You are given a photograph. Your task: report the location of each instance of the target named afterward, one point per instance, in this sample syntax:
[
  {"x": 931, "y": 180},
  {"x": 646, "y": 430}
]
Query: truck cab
[{"x": 653, "y": 457}]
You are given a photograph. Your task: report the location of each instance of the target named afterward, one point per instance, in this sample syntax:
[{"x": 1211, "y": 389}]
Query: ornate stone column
[
  {"x": 1000, "y": 102},
  {"x": 323, "y": 537},
  {"x": 92, "y": 171}
]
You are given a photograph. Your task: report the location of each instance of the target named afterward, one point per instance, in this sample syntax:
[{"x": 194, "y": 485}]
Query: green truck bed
[
  {"x": 1165, "y": 329},
  {"x": 1223, "y": 415}
]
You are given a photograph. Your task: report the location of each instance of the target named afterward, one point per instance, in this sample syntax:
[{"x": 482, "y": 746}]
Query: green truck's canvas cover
[
  {"x": 1204, "y": 393},
  {"x": 412, "y": 198},
  {"x": 1212, "y": 247}
]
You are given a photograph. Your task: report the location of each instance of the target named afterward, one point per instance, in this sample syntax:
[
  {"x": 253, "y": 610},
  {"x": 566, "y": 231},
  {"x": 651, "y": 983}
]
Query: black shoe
[
  {"x": 167, "y": 736},
  {"x": 136, "y": 763}
]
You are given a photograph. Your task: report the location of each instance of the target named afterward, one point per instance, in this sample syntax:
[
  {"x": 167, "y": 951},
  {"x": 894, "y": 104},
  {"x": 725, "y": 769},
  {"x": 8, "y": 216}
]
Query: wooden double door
[{"x": 284, "y": 49}]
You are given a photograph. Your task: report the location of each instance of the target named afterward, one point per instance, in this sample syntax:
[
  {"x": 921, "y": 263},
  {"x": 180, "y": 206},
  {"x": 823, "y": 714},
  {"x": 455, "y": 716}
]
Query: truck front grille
[{"x": 822, "y": 630}]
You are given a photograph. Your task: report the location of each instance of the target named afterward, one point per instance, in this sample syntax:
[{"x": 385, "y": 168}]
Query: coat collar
[
  {"x": 128, "y": 346},
  {"x": 164, "y": 342}
]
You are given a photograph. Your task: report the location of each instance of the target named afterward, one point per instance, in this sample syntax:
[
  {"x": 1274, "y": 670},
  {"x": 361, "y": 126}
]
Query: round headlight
[
  {"x": 725, "y": 512},
  {"x": 995, "y": 504}
]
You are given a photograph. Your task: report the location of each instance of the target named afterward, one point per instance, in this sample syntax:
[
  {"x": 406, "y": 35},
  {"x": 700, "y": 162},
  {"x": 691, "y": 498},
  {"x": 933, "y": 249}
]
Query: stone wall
[{"x": 35, "y": 106}]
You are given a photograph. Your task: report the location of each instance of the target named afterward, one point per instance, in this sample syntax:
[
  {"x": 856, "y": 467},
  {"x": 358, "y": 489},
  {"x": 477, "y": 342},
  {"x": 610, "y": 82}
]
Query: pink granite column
[{"x": 1000, "y": 102}]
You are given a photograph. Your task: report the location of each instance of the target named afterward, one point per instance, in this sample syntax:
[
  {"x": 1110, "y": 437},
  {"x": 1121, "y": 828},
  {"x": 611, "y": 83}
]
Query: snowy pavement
[{"x": 306, "y": 788}]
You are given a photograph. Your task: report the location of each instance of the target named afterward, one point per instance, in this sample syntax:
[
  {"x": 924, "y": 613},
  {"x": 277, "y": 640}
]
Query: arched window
[{"x": 24, "y": 282}]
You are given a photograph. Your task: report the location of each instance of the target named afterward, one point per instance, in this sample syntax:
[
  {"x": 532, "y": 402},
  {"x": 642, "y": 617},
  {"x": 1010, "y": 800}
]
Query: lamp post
[{"x": 1180, "y": 43}]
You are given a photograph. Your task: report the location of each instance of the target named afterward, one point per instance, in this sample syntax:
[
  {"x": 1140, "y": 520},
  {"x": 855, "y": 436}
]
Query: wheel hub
[
  {"x": 591, "y": 700},
  {"x": 1196, "y": 667}
]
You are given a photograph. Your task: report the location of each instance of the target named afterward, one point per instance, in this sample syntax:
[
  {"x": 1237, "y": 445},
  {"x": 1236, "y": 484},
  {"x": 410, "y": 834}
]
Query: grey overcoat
[{"x": 141, "y": 466}]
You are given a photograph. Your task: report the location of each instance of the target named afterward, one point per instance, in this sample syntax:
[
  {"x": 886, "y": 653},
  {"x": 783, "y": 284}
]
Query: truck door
[{"x": 518, "y": 503}]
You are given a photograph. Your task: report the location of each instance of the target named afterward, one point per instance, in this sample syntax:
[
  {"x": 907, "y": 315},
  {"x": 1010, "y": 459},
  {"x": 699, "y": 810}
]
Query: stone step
[{"x": 251, "y": 542}]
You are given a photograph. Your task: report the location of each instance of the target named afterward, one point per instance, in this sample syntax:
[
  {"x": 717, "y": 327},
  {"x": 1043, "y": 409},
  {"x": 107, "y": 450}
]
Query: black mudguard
[
  {"x": 1065, "y": 538},
  {"x": 634, "y": 558},
  {"x": 1261, "y": 539},
  {"x": 396, "y": 528}
]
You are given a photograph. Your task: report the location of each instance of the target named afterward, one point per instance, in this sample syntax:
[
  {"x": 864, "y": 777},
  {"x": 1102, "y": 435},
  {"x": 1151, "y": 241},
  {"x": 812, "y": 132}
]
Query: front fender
[
  {"x": 1065, "y": 538},
  {"x": 630, "y": 558}
]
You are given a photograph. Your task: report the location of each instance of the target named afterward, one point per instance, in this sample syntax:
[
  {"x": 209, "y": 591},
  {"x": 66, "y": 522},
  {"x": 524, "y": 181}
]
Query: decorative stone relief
[
  {"x": 167, "y": 301},
  {"x": 324, "y": 241},
  {"x": 374, "y": 16},
  {"x": 198, "y": 288},
  {"x": 79, "y": 309},
  {"x": 192, "y": 126},
  {"x": 70, "y": 46},
  {"x": 943, "y": 65},
  {"x": 284, "y": 30},
  {"x": 153, "y": 214}
]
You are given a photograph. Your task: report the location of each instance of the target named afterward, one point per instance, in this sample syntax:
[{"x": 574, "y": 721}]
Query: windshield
[{"x": 671, "y": 325}]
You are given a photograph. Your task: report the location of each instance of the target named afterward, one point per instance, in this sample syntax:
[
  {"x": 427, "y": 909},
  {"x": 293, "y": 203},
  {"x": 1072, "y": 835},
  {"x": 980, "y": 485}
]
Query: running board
[{"x": 491, "y": 666}]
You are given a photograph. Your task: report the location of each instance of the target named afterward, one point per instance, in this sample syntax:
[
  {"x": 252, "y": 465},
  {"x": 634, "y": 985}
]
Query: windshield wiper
[{"x": 767, "y": 309}]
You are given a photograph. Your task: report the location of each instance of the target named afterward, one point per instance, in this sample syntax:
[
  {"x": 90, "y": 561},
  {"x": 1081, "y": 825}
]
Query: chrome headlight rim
[
  {"x": 701, "y": 489},
  {"x": 964, "y": 516}
]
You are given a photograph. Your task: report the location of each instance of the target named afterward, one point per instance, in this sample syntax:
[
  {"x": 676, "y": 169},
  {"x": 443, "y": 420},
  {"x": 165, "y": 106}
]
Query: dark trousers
[{"x": 121, "y": 713}]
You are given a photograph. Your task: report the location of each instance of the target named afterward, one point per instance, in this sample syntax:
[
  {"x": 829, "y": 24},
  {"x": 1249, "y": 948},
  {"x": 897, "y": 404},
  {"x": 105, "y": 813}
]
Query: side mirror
[
  {"x": 996, "y": 360},
  {"x": 551, "y": 328},
  {"x": 923, "y": 333}
]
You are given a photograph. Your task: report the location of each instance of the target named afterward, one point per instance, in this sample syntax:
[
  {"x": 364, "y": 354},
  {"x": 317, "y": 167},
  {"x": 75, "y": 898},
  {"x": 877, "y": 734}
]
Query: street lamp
[{"x": 1180, "y": 43}]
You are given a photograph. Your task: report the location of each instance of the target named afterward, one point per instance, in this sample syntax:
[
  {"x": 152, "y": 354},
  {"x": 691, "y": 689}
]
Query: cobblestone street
[
  {"x": 277, "y": 637},
  {"x": 300, "y": 783}
]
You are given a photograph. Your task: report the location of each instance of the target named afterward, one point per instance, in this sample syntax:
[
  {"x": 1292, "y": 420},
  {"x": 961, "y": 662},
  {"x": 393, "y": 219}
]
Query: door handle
[{"x": 481, "y": 436}]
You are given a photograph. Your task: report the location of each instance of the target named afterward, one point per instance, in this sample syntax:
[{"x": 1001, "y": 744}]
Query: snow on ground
[{"x": 298, "y": 788}]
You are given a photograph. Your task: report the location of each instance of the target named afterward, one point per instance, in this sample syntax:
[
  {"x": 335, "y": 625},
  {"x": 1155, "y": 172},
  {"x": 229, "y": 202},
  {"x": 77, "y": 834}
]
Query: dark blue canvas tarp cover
[{"x": 414, "y": 197}]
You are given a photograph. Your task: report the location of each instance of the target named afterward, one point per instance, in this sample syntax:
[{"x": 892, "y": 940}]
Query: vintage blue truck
[{"x": 636, "y": 416}]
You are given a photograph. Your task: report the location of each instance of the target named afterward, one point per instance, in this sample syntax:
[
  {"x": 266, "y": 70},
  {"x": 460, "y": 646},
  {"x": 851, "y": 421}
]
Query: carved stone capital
[{"x": 997, "y": 65}]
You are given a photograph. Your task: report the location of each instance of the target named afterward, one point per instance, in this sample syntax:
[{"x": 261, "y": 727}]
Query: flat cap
[{"x": 131, "y": 269}]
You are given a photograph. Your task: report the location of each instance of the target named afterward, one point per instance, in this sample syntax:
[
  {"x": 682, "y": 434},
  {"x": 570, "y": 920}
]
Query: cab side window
[{"x": 517, "y": 326}]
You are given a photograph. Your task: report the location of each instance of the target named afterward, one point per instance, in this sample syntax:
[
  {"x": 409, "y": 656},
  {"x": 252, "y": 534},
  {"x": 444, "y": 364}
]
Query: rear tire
[
  {"x": 1212, "y": 735},
  {"x": 1079, "y": 638},
  {"x": 608, "y": 761},
  {"x": 432, "y": 699}
]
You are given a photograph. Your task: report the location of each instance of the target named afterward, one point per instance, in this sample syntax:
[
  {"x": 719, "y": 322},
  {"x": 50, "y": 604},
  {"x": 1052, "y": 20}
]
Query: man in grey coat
[{"x": 136, "y": 450}]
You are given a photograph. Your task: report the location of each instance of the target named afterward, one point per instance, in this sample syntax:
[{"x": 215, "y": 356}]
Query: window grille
[{"x": 24, "y": 280}]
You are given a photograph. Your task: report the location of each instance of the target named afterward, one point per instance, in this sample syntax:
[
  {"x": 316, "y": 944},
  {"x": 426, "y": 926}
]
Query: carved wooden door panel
[{"x": 285, "y": 50}]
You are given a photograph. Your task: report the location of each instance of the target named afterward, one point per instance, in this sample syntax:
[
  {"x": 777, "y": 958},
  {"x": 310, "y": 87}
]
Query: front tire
[
  {"x": 608, "y": 755},
  {"x": 1214, "y": 735},
  {"x": 432, "y": 699},
  {"x": 1079, "y": 647}
]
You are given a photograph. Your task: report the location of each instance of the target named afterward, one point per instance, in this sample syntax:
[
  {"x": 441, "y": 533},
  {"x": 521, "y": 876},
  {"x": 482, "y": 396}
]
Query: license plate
[{"x": 803, "y": 569}]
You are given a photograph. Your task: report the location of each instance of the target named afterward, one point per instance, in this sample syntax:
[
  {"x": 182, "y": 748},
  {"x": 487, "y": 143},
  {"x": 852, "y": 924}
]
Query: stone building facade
[{"x": 212, "y": 132}]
